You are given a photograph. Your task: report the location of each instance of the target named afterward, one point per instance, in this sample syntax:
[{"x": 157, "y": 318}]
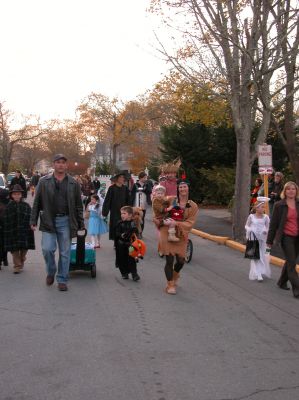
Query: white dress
[{"x": 260, "y": 227}]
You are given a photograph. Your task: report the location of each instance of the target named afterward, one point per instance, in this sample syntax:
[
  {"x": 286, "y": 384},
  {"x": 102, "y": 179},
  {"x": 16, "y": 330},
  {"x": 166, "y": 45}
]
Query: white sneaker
[{"x": 260, "y": 278}]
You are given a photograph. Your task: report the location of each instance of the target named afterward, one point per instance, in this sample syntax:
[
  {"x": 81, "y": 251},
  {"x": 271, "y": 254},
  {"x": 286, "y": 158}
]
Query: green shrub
[{"x": 217, "y": 185}]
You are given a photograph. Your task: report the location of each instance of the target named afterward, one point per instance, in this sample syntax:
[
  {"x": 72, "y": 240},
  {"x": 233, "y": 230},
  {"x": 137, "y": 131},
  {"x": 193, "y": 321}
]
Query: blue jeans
[{"x": 49, "y": 246}]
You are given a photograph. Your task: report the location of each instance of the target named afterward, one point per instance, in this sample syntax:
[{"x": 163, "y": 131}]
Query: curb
[{"x": 224, "y": 240}]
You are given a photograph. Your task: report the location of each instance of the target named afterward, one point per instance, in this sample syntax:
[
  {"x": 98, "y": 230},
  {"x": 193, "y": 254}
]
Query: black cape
[{"x": 116, "y": 198}]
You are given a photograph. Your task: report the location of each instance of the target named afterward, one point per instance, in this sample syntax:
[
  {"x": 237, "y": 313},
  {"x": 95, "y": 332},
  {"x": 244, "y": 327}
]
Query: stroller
[{"x": 83, "y": 255}]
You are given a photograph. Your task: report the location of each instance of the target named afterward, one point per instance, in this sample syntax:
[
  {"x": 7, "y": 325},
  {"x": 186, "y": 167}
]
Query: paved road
[{"x": 220, "y": 338}]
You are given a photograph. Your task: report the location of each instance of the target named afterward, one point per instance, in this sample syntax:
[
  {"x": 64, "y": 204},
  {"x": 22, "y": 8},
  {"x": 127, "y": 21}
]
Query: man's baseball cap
[{"x": 59, "y": 157}]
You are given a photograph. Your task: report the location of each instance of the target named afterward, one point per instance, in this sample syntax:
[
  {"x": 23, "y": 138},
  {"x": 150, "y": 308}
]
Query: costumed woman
[
  {"x": 175, "y": 252},
  {"x": 258, "y": 223}
]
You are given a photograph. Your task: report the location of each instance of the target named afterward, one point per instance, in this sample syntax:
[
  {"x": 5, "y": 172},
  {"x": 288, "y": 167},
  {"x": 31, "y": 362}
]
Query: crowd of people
[{"x": 63, "y": 203}]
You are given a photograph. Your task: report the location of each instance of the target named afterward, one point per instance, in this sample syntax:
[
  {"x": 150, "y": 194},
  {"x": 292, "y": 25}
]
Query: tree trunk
[
  {"x": 289, "y": 125},
  {"x": 242, "y": 187},
  {"x": 114, "y": 154},
  {"x": 6, "y": 154}
]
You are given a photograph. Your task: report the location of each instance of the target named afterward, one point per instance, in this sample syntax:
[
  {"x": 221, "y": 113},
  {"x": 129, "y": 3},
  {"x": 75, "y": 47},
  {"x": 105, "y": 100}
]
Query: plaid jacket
[{"x": 16, "y": 227}]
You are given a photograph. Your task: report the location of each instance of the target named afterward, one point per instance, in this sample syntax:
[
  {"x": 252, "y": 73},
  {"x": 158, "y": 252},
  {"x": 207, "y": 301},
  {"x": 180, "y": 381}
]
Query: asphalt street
[{"x": 221, "y": 337}]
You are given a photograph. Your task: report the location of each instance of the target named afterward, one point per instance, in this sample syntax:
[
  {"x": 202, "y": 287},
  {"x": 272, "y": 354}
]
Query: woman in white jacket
[{"x": 258, "y": 223}]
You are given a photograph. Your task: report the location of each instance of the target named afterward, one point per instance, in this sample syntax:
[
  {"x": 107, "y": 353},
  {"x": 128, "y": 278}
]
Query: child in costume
[
  {"x": 18, "y": 235},
  {"x": 124, "y": 230},
  {"x": 4, "y": 199},
  {"x": 258, "y": 223},
  {"x": 96, "y": 224},
  {"x": 162, "y": 205},
  {"x": 168, "y": 177}
]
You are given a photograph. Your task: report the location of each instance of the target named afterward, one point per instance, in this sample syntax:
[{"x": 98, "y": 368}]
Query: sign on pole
[
  {"x": 265, "y": 159},
  {"x": 265, "y": 167}
]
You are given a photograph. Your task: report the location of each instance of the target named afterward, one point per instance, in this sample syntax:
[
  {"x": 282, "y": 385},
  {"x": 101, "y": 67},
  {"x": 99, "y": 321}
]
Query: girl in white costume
[{"x": 258, "y": 223}]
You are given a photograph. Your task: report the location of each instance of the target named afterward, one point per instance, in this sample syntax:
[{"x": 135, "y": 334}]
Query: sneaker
[
  {"x": 16, "y": 270},
  {"x": 260, "y": 278},
  {"x": 125, "y": 276},
  {"x": 135, "y": 277}
]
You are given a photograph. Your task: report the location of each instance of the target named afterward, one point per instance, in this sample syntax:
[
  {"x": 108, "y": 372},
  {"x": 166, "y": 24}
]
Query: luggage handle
[{"x": 82, "y": 233}]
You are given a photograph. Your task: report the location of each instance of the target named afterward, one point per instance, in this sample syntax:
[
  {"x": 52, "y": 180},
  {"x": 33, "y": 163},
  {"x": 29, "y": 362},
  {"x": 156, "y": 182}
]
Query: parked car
[
  {"x": 9, "y": 177},
  {"x": 3, "y": 182}
]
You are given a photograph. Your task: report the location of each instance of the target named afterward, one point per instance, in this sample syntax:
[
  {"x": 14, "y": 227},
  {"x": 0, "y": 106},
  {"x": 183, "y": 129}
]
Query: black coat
[
  {"x": 278, "y": 221},
  {"x": 124, "y": 231},
  {"x": 16, "y": 227},
  {"x": 44, "y": 200},
  {"x": 116, "y": 198}
]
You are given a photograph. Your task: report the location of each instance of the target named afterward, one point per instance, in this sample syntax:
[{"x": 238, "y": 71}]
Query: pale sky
[{"x": 56, "y": 52}]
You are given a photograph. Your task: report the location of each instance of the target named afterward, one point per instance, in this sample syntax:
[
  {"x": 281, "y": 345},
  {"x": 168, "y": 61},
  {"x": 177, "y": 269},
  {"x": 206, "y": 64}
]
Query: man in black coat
[{"x": 19, "y": 180}]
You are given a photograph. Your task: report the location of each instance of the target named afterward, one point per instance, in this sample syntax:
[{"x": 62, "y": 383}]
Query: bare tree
[
  {"x": 115, "y": 122},
  {"x": 289, "y": 80},
  {"x": 244, "y": 45},
  {"x": 9, "y": 137}
]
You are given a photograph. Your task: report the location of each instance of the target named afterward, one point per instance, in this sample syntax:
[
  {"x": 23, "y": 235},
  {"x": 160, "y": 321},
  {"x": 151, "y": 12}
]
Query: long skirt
[{"x": 261, "y": 266}]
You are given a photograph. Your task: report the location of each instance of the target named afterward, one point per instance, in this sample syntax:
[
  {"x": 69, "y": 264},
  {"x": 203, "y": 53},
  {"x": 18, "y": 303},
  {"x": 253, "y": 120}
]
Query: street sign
[
  {"x": 265, "y": 171},
  {"x": 265, "y": 159}
]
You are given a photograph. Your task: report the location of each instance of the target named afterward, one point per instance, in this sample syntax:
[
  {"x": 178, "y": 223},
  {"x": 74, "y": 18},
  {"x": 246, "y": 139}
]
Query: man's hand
[{"x": 33, "y": 227}]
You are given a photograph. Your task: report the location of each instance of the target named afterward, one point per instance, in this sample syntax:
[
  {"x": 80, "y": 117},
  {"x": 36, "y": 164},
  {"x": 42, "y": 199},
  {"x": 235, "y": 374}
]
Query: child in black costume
[
  {"x": 123, "y": 233},
  {"x": 4, "y": 199}
]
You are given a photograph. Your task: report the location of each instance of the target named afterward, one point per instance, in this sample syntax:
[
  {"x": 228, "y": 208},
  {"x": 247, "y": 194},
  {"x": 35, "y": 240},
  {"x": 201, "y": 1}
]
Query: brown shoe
[
  {"x": 62, "y": 287},
  {"x": 50, "y": 280}
]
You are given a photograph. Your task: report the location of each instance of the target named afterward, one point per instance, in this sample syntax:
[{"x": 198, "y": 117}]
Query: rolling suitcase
[{"x": 83, "y": 255}]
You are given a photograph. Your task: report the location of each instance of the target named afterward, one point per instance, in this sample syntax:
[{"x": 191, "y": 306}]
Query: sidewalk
[{"x": 218, "y": 222}]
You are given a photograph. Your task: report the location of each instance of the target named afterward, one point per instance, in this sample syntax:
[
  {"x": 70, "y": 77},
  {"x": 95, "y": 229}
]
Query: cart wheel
[
  {"x": 189, "y": 251},
  {"x": 93, "y": 271}
]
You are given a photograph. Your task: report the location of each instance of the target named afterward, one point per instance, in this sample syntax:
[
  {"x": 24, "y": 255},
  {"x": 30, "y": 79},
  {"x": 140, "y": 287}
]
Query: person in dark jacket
[
  {"x": 19, "y": 180},
  {"x": 276, "y": 189},
  {"x": 96, "y": 184},
  {"x": 284, "y": 229},
  {"x": 124, "y": 230},
  {"x": 58, "y": 204},
  {"x": 18, "y": 236},
  {"x": 4, "y": 199},
  {"x": 117, "y": 196}
]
